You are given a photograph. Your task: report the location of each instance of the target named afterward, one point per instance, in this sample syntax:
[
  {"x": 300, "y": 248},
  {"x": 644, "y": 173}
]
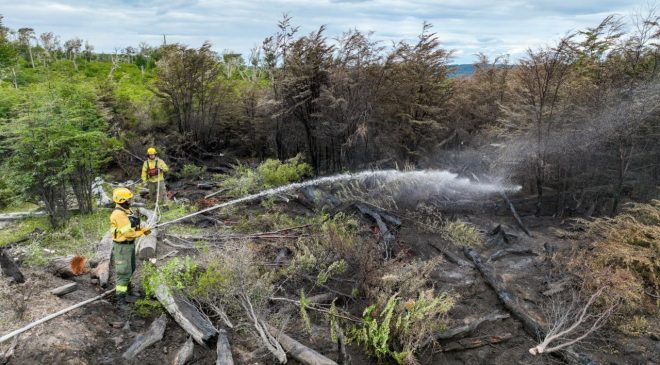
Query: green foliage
[
  {"x": 271, "y": 173},
  {"x": 214, "y": 280},
  {"x": 192, "y": 172},
  {"x": 336, "y": 268},
  {"x": 461, "y": 233},
  {"x": 400, "y": 328},
  {"x": 375, "y": 335},
  {"x": 178, "y": 210},
  {"x": 175, "y": 273},
  {"x": 77, "y": 237},
  {"x": 18, "y": 230},
  {"x": 148, "y": 307},
  {"x": 275, "y": 173},
  {"x": 57, "y": 139}
]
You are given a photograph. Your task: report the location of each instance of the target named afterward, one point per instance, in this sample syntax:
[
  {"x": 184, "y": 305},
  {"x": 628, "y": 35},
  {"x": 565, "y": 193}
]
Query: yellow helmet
[
  {"x": 121, "y": 195},
  {"x": 151, "y": 151}
]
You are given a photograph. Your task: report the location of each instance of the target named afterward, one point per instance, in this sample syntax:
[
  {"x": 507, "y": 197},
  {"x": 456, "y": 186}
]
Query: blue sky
[{"x": 465, "y": 26}]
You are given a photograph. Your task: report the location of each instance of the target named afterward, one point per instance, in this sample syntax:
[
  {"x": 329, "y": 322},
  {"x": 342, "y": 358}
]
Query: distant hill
[{"x": 462, "y": 70}]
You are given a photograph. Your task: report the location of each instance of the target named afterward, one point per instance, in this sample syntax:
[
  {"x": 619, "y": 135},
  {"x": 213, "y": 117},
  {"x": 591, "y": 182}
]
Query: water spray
[{"x": 440, "y": 180}]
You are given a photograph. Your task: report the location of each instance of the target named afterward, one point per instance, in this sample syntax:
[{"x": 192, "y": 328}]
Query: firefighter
[
  {"x": 153, "y": 174},
  {"x": 125, "y": 226}
]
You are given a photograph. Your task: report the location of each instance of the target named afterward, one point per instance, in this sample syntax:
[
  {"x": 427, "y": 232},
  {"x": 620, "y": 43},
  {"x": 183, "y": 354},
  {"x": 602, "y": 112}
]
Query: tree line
[{"x": 575, "y": 122}]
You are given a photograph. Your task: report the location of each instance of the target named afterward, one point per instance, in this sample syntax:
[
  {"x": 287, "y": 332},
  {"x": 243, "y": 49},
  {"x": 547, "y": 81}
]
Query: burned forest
[{"x": 331, "y": 199}]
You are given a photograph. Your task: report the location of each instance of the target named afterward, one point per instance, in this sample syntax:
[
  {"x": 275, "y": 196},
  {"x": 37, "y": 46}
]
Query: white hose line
[{"x": 54, "y": 315}]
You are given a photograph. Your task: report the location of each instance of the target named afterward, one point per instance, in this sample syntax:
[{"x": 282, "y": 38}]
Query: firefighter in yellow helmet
[
  {"x": 125, "y": 228},
  {"x": 153, "y": 174}
]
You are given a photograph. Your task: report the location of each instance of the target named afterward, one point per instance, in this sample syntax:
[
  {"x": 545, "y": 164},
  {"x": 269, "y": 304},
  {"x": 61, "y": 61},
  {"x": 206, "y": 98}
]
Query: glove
[{"x": 146, "y": 231}]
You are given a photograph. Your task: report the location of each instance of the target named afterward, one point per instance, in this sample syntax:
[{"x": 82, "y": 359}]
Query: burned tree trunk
[
  {"x": 9, "y": 268},
  {"x": 531, "y": 326},
  {"x": 471, "y": 343},
  {"x": 153, "y": 335},
  {"x": 184, "y": 354},
  {"x": 466, "y": 329},
  {"x": 187, "y": 316},
  {"x": 223, "y": 350},
  {"x": 299, "y": 351}
]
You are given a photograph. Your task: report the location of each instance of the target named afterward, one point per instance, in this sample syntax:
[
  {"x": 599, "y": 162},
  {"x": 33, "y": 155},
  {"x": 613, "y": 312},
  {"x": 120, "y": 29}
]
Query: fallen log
[
  {"x": 506, "y": 297},
  {"x": 555, "y": 288},
  {"x": 299, "y": 351},
  {"x": 153, "y": 335},
  {"x": 187, "y": 316},
  {"x": 184, "y": 355},
  {"x": 387, "y": 236},
  {"x": 169, "y": 242},
  {"x": 511, "y": 251},
  {"x": 8, "y": 217},
  {"x": 471, "y": 343},
  {"x": 64, "y": 289},
  {"x": 450, "y": 256},
  {"x": 464, "y": 330},
  {"x": 515, "y": 214},
  {"x": 383, "y": 213},
  {"x": 68, "y": 266},
  {"x": 223, "y": 350},
  {"x": 9, "y": 268},
  {"x": 215, "y": 193},
  {"x": 101, "y": 260},
  {"x": 498, "y": 236}
]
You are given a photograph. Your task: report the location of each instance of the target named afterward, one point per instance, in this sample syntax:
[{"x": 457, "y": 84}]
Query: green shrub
[
  {"x": 461, "y": 233},
  {"x": 400, "y": 328},
  {"x": 271, "y": 173},
  {"x": 191, "y": 172},
  {"x": 175, "y": 273},
  {"x": 148, "y": 307},
  {"x": 275, "y": 173}
]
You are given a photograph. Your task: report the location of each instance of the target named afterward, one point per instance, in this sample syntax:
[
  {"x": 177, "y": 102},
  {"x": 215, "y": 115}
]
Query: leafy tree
[{"x": 57, "y": 141}]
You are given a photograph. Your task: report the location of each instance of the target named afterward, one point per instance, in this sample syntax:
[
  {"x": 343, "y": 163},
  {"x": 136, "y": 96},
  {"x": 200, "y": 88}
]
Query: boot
[
  {"x": 130, "y": 298},
  {"x": 121, "y": 302},
  {"x": 134, "y": 293}
]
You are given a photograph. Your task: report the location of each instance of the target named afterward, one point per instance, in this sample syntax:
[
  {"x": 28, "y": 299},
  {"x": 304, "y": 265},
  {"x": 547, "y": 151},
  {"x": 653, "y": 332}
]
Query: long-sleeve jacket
[
  {"x": 154, "y": 170},
  {"x": 122, "y": 229}
]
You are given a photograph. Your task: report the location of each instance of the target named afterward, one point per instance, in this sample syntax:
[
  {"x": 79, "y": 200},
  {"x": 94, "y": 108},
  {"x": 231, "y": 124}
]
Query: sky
[{"x": 467, "y": 27}]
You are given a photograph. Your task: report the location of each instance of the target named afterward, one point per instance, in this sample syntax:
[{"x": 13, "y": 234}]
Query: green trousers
[
  {"x": 123, "y": 255},
  {"x": 153, "y": 190}
]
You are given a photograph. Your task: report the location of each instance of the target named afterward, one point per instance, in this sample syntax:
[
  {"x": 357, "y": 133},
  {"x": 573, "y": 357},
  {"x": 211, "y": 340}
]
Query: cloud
[{"x": 467, "y": 26}]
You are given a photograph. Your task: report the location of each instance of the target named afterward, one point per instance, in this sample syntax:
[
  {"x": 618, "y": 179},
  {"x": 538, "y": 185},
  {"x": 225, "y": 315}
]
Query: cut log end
[{"x": 68, "y": 267}]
